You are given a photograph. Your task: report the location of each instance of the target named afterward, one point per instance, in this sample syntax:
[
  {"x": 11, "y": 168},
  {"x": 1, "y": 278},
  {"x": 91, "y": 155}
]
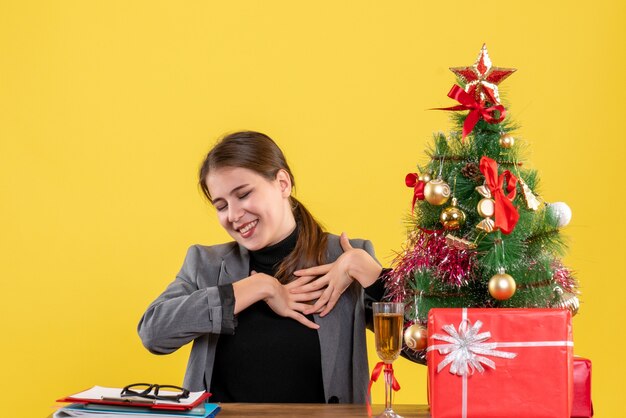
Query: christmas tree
[{"x": 479, "y": 235}]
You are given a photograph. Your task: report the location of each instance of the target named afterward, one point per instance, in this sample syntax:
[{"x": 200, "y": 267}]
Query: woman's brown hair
[{"x": 258, "y": 152}]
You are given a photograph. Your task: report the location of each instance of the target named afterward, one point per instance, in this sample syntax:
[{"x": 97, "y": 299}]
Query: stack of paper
[{"x": 103, "y": 402}]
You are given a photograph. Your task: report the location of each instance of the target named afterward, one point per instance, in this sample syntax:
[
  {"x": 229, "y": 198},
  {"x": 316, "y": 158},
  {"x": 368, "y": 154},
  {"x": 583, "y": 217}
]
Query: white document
[{"x": 100, "y": 393}]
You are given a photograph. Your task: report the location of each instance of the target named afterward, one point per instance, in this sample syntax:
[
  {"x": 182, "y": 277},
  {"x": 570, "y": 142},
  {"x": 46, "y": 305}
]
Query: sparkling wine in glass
[{"x": 388, "y": 323}]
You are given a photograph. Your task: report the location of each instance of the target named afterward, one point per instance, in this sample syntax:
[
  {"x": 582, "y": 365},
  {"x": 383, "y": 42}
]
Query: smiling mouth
[{"x": 247, "y": 227}]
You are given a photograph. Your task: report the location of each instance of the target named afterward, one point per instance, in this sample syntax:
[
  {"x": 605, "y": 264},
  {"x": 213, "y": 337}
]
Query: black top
[{"x": 269, "y": 358}]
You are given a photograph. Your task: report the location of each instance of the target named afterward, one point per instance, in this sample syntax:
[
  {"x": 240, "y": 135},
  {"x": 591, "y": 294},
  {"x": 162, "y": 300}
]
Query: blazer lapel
[
  {"x": 328, "y": 333},
  {"x": 235, "y": 265}
]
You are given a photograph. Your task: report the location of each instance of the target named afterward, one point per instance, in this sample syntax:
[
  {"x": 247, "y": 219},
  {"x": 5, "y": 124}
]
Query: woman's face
[{"x": 254, "y": 211}]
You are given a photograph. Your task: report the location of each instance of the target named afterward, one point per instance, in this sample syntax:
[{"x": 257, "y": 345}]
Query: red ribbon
[
  {"x": 431, "y": 231},
  {"x": 375, "y": 375},
  {"x": 412, "y": 180},
  {"x": 506, "y": 215},
  {"x": 477, "y": 109}
]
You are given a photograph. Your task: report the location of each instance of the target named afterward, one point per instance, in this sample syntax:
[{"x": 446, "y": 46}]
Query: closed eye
[{"x": 220, "y": 203}]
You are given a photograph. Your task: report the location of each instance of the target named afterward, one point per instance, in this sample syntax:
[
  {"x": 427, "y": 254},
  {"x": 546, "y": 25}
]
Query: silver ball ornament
[{"x": 561, "y": 212}]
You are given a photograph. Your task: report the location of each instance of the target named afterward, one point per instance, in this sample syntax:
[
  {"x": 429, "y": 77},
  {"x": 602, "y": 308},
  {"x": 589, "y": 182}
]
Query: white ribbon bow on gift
[{"x": 466, "y": 349}]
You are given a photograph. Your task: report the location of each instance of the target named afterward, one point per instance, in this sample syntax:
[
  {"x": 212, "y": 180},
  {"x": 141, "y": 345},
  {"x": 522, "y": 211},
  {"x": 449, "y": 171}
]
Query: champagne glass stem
[{"x": 388, "y": 389}]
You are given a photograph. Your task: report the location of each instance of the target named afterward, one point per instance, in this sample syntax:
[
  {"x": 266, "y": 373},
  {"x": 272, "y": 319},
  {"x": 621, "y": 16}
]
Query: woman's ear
[{"x": 284, "y": 182}]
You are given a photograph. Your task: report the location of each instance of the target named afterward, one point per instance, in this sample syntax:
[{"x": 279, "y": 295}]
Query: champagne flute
[{"x": 388, "y": 321}]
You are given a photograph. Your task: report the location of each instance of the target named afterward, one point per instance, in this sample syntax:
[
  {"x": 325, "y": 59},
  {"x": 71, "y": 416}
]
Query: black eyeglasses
[{"x": 149, "y": 391}]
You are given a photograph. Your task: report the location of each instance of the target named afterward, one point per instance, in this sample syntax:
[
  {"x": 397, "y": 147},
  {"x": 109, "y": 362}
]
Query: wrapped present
[
  {"x": 500, "y": 363},
  {"x": 582, "y": 406}
]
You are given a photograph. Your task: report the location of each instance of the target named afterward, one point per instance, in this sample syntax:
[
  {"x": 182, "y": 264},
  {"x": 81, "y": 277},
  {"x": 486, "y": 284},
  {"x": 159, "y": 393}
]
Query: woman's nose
[{"x": 235, "y": 212}]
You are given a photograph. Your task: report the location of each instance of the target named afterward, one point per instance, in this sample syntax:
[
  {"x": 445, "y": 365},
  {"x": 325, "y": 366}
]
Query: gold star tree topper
[{"x": 482, "y": 79}]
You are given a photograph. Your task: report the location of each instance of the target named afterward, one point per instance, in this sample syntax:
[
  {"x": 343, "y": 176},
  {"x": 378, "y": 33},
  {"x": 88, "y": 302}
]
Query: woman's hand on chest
[{"x": 334, "y": 278}]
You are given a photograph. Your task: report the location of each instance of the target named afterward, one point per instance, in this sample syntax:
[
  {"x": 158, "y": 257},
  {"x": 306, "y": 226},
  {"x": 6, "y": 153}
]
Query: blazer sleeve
[{"x": 184, "y": 311}]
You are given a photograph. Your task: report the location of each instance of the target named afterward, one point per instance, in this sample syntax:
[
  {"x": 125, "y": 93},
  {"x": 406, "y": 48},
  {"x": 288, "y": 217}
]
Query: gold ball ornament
[
  {"x": 502, "y": 286},
  {"x": 436, "y": 192},
  {"x": 507, "y": 141},
  {"x": 452, "y": 217},
  {"x": 425, "y": 177},
  {"x": 416, "y": 337}
]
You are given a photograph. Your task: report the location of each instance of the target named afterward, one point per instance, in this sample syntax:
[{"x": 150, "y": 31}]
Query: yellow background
[{"x": 107, "y": 107}]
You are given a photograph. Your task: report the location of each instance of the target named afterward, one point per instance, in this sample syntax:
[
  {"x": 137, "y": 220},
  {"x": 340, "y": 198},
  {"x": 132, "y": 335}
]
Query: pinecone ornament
[{"x": 472, "y": 172}]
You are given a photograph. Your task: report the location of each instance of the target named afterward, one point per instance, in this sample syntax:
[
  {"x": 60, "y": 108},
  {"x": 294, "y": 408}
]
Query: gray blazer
[{"x": 191, "y": 309}]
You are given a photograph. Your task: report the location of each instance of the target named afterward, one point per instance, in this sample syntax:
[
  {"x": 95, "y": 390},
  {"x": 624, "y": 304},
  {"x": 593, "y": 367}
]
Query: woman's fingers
[
  {"x": 312, "y": 286},
  {"x": 300, "y": 281},
  {"x": 303, "y": 320},
  {"x": 321, "y": 302},
  {"x": 314, "y": 271},
  {"x": 305, "y": 297},
  {"x": 345, "y": 242},
  {"x": 316, "y": 308},
  {"x": 332, "y": 301},
  {"x": 321, "y": 283},
  {"x": 299, "y": 307}
]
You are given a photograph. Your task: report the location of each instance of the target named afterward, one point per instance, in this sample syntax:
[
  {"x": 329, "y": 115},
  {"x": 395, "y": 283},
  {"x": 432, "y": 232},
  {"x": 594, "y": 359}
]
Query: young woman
[{"x": 278, "y": 315}]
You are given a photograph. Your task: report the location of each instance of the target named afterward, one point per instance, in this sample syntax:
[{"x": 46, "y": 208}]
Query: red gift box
[
  {"x": 500, "y": 363},
  {"x": 582, "y": 406}
]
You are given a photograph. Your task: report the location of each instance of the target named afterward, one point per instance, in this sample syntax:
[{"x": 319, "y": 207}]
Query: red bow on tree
[
  {"x": 395, "y": 386},
  {"x": 506, "y": 215},
  {"x": 412, "y": 180},
  {"x": 477, "y": 109}
]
